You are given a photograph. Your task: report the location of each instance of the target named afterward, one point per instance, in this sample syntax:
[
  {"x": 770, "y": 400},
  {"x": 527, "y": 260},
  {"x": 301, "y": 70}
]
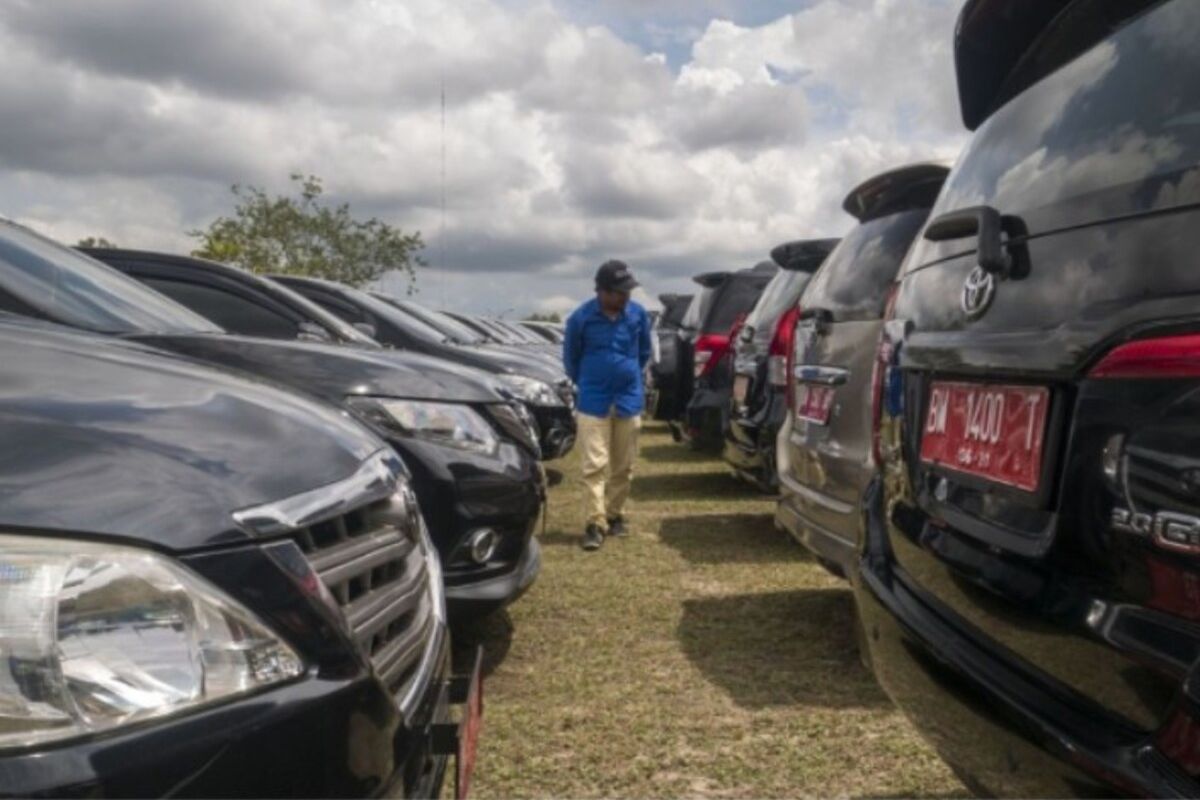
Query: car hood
[
  {"x": 512, "y": 363},
  {"x": 104, "y": 438},
  {"x": 332, "y": 372}
]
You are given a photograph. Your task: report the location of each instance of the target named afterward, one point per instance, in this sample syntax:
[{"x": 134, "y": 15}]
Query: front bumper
[
  {"x": 319, "y": 736},
  {"x": 1005, "y": 731},
  {"x": 556, "y": 430},
  {"x": 461, "y": 493}
]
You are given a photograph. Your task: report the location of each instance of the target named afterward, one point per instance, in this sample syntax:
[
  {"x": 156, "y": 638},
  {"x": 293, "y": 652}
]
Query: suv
[
  {"x": 185, "y": 605},
  {"x": 761, "y": 384},
  {"x": 825, "y": 454},
  {"x": 1029, "y": 587},
  {"x": 663, "y": 388},
  {"x": 473, "y": 458},
  {"x": 544, "y": 391},
  {"x": 719, "y": 311}
]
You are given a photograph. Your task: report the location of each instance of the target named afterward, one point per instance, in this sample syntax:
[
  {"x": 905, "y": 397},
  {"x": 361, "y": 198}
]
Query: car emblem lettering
[
  {"x": 1170, "y": 531},
  {"x": 977, "y": 292}
]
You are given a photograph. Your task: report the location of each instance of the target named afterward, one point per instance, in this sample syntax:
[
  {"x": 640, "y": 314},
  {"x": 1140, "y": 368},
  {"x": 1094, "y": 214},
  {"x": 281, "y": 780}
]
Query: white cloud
[{"x": 564, "y": 143}]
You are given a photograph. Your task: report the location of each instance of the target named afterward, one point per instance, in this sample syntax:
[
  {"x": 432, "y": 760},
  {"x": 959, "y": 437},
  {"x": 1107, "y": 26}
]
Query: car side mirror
[
  {"x": 365, "y": 328},
  {"x": 312, "y": 332}
]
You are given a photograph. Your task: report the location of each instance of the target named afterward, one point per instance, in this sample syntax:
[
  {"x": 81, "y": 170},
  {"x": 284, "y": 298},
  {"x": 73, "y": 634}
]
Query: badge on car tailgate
[{"x": 996, "y": 432}]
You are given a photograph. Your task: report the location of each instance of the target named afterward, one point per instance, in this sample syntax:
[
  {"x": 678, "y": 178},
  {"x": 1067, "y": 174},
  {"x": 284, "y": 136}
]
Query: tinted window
[
  {"x": 781, "y": 294},
  {"x": 698, "y": 308},
  {"x": 377, "y": 308},
  {"x": 312, "y": 312},
  {"x": 736, "y": 297},
  {"x": 853, "y": 282},
  {"x": 230, "y": 310},
  {"x": 1114, "y": 132},
  {"x": 448, "y": 326},
  {"x": 70, "y": 288}
]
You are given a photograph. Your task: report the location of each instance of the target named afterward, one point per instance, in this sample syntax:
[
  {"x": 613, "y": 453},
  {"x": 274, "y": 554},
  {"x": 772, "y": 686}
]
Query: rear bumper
[
  {"x": 1004, "y": 730},
  {"x": 836, "y": 553},
  {"x": 750, "y": 437},
  {"x": 705, "y": 419}
]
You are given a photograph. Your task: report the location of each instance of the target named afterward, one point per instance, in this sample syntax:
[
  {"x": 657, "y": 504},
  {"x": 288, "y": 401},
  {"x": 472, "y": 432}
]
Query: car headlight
[
  {"x": 449, "y": 424},
  {"x": 93, "y": 637},
  {"x": 531, "y": 390}
]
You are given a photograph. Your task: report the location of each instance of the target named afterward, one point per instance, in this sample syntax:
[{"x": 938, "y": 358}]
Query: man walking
[{"x": 605, "y": 352}]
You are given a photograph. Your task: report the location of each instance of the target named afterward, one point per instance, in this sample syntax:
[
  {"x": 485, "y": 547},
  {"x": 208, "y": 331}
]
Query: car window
[
  {"x": 73, "y": 289},
  {"x": 698, "y": 308},
  {"x": 373, "y": 306},
  {"x": 339, "y": 328},
  {"x": 448, "y": 326},
  {"x": 736, "y": 297},
  {"x": 781, "y": 293},
  {"x": 853, "y": 282},
  {"x": 231, "y": 310},
  {"x": 1095, "y": 139}
]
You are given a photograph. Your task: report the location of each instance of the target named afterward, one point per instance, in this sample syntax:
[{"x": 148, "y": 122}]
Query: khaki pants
[{"x": 608, "y": 447}]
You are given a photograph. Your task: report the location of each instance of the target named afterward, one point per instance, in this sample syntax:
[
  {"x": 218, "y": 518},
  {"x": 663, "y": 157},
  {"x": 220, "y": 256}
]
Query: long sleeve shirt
[{"x": 607, "y": 357}]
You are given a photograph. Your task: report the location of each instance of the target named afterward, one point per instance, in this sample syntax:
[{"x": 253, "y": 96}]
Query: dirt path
[{"x": 705, "y": 655}]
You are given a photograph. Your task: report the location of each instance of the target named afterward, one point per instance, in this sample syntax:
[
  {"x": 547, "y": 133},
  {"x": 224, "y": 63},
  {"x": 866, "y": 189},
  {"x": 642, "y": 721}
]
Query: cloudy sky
[{"x": 679, "y": 135}]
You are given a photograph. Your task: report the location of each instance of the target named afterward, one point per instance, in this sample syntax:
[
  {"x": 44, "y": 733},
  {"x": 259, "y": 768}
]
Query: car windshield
[
  {"x": 70, "y": 288},
  {"x": 397, "y": 316},
  {"x": 341, "y": 329},
  {"x": 451, "y": 328}
]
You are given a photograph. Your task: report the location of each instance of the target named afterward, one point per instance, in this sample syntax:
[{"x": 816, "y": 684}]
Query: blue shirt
[{"x": 605, "y": 358}]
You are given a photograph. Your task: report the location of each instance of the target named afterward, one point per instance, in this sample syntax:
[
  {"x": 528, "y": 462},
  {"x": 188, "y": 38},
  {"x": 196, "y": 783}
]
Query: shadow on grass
[
  {"x": 729, "y": 539},
  {"x": 779, "y": 649},
  {"x": 670, "y": 453},
  {"x": 494, "y": 633},
  {"x": 560, "y": 538},
  {"x": 691, "y": 486}
]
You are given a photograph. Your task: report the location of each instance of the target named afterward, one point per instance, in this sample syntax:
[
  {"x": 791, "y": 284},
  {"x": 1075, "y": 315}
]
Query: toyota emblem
[{"x": 977, "y": 292}]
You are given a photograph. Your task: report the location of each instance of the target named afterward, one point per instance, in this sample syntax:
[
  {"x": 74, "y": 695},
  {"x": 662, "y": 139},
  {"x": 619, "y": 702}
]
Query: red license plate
[
  {"x": 468, "y": 736},
  {"x": 741, "y": 386},
  {"x": 990, "y": 431},
  {"x": 814, "y": 403}
]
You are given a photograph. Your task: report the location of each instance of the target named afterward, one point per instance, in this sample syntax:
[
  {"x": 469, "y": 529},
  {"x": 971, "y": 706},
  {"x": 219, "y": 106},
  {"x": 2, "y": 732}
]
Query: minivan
[{"x": 1029, "y": 587}]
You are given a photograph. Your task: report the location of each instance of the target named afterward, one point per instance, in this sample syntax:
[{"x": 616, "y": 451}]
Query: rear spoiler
[
  {"x": 804, "y": 255},
  {"x": 901, "y": 189},
  {"x": 711, "y": 280},
  {"x": 993, "y": 36}
]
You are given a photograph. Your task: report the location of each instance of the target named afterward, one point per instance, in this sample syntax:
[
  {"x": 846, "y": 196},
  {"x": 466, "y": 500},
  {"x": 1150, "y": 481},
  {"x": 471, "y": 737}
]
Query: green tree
[
  {"x": 96, "y": 241},
  {"x": 552, "y": 316},
  {"x": 300, "y": 235}
]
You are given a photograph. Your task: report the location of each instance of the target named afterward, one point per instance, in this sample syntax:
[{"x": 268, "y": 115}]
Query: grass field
[{"x": 703, "y": 656}]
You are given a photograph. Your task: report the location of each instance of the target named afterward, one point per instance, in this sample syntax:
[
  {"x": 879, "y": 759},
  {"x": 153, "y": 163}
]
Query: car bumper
[
  {"x": 705, "y": 419},
  {"x": 836, "y": 553},
  {"x": 473, "y": 597},
  {"x": 319, "y": 736},
  {"x": 750, "y": 436},
  {"x": 556, "y": 430},
  {"x": 1005, "y": 731}
]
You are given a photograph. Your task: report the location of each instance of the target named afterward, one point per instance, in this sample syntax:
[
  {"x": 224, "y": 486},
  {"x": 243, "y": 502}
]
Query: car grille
[
  {"x": 516, "y": 424},
  {"x": 372, "y": 562}
]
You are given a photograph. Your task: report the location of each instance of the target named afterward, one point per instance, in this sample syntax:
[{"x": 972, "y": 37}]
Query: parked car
[
  {"x": 498, "y": 335},
  {"x": 1029, "y": 586},
  {"x": 472, "y": 457},
  {"x": 544, "y": 391},
  {"x": 825, "y": 455},
  {"x": 666, "y": 372},
  {"x": 726, "y": 299},
  {"x": 761, "y": 380},
  {"x": 185, "y": 605},
  {"x": 550, "y": 331}
]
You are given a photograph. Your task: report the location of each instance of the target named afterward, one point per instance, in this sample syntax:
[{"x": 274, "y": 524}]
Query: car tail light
[
  {"x": 712, "y": 347},
  {"x": 1164, "y": 357},
  {"x": 779, "y": 355},
  {"x": 885, "y": 350}
]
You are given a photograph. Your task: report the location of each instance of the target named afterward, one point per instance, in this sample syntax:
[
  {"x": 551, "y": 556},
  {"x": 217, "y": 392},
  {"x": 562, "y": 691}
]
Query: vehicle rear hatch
[
  {"x": 1038, "y": 477},
  {"x": 840, "y": 316},
  {"x": 678, "y": 379},
  {"x": 732, "y": 301}
]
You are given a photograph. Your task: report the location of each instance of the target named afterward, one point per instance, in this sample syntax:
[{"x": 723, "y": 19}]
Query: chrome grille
[
  {"x": 365, "y": 538},
  {"x": 373, "y": 565}
]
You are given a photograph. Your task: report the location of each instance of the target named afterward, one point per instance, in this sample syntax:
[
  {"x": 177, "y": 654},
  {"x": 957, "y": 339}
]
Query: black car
[
  {"x": 666, "y": 371},
  {"x": 546, "y": 392},
  {"x": 759, "y": 403},
  {"x": 720, "y": 309},
  {"x": 472, "y": 456},
  {"x": 550, "y": 331},
  {"x": 208, "y": 587},
  {"x": 1029, "y": 588}
]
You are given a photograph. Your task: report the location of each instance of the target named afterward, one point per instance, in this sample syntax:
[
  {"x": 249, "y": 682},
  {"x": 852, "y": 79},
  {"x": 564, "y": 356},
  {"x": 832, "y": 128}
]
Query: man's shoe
[
  {"x": 616, "y": 527},
  {"x": 593, "y": 537}
]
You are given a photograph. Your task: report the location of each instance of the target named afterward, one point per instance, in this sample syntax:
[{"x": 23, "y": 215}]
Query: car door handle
[
  {"x": 826, "y": 376},
  {"x": 987, "y": 225}
]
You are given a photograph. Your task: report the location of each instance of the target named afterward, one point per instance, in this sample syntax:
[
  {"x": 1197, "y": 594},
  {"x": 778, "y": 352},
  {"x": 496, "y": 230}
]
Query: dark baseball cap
[{"x": 614, "y": 276}]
